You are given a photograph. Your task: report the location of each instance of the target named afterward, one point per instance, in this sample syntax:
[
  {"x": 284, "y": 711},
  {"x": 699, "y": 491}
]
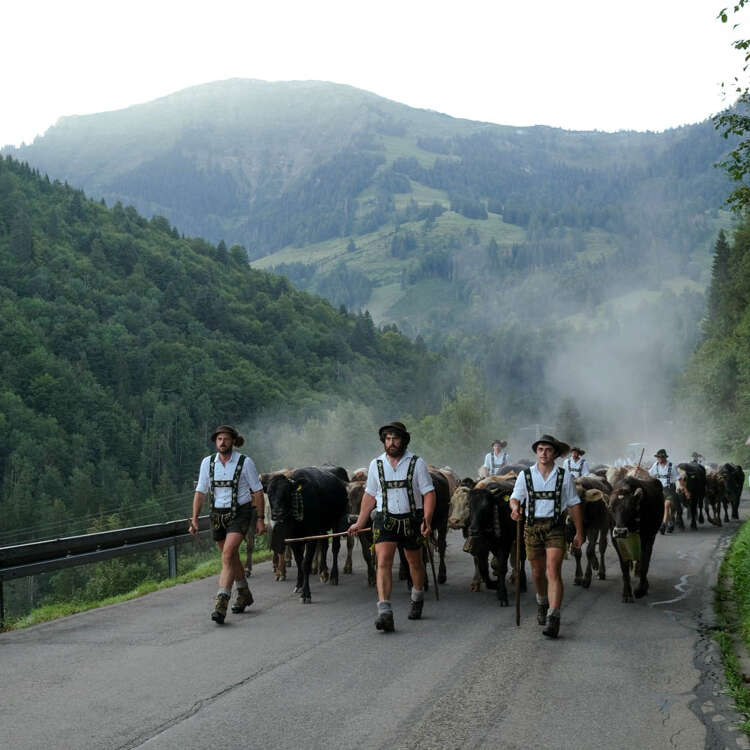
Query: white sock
[
  {"x": 384, "y": 606},
  {"x": 417, "y": 595}
]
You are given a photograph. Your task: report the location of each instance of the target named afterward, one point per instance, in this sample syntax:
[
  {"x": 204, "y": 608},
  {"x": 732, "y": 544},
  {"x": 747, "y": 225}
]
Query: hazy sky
[{"x": 580, "y": 64}]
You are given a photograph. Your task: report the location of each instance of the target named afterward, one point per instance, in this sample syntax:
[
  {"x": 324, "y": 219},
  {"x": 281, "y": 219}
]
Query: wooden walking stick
[
  {"x": 518, "y": 570},
  {"x": 323, "y": 536},
  {"x": 640, "y": 459},
  {"x": 427, "y": 540}
]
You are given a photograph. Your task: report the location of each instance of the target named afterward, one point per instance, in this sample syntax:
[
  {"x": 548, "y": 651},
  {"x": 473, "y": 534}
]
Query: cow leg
[
  {"x": 481, "y": 560},
  {"x": 701, "y": 502},
  {"x": 288, "y": 556},
  {"x": 335, "y": 547},
  {"x": 503, "y": 553},
  {"x": 602, "y": 549},
  {"x": 350, "y": 542},
  {"x": 579, "y": 570},
  {"x": 298, "y": 550},
  {"x": 591, "y": 561},
  {"x": 476, "y": 581},
  {"x": 642, "y": 588},
  {"x": 726, "y": 511},
  {"x": 627, "y": 589},
  {"x": 310, "y": 548},
  {"x": 403, "y": 568},
  {"x": 441, "y": 547},
  {"x": 321, "y": 554},
  {"x": 694, "y": 502},
  {"x": 365, "y": 541}
]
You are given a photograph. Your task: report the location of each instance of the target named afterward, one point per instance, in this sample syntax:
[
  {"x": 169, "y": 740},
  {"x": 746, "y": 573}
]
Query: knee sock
[
  {"x": 384, "y": 606},
  {"x": 417, "y": 595}
]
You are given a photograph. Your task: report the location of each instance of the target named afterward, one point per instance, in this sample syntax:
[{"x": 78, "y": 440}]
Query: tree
[
  {"x": 719, "y": 278},
  {"x": 735, "y": 121}
]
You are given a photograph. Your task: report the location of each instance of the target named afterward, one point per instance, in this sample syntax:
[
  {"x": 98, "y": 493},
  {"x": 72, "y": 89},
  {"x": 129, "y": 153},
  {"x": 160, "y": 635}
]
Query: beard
[
  {"x": 395, "y": 452},
  {"x": 224, "y": 449}
]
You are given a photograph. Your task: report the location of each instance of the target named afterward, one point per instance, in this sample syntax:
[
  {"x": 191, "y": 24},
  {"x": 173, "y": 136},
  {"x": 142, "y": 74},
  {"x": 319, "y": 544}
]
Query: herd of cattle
[{"x": 623, "y": 504}]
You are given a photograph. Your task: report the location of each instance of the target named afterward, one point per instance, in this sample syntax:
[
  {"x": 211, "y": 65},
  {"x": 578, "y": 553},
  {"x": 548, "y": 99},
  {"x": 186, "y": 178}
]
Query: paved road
[{"x": 157, "y": 673}]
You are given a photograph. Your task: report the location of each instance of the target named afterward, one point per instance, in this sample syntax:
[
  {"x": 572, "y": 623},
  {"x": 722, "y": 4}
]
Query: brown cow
[
  {"x": 593, "y": 492},
  {"x": 355, "y": 491}
]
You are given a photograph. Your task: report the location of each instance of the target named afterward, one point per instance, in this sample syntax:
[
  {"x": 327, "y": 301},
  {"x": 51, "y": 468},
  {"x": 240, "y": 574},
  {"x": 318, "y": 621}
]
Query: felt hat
[
  {"x": 661, "y": 453},
  {"x": 397, "y": 427},
  {"x": 501, "y": 443},
  {"x": 237, "y": 439},
  {"x": 562, "y": 448},
  {"x": 578, "y": 450}
]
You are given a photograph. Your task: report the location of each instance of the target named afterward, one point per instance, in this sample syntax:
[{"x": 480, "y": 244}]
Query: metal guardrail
[{"x": 30, "y": 559}]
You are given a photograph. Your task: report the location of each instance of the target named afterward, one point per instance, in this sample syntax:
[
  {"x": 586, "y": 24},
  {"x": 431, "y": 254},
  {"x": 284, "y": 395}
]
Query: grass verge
[
  {"x": 55, "y": 611},
  {"x": 733, "y": 610}
]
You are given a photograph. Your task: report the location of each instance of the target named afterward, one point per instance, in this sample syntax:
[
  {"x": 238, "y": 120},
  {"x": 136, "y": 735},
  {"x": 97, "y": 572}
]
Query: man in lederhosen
[
  {"x": 663, "y": 470},
  {"x": 575, "y": 463},
  {"x": 496, "y": 458},
  {"x": 232, "y": 481},
  {"x": 400, "y": 487},
  {"x": 547, "y": 492}
]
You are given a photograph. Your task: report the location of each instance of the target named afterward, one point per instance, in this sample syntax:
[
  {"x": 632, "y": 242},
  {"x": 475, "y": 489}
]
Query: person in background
[
  {"x": 575, "y": 463},
  {"x": 663, "y": 470},
  {"x": 496, "y": 458}
]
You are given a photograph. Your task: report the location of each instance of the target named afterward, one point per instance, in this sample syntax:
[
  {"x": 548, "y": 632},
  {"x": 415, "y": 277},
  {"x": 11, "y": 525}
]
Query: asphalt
[{"x": 157, "y": 672}]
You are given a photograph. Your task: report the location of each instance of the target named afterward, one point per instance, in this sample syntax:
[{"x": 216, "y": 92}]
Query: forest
[{"x": 125, "y": 344}]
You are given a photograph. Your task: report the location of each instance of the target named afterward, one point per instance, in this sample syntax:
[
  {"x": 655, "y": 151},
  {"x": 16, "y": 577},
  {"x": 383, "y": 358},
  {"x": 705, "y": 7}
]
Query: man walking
[
  {"x": 663, "y": 470},
  {"x": 575, "y": 463},
  {"x": 496, "y": 458},
  {"x": 400, "y": 487},
  {"x": 547, "y": 492},
  {"x": 232, "y": 481}
]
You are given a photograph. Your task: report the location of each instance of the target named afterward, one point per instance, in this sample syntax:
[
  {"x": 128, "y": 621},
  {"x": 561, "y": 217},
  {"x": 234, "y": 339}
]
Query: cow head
[
  {"x": 625, "y": 507},
  {"x": 458, "y": 517},
  {"x": 285, "y": 498}
]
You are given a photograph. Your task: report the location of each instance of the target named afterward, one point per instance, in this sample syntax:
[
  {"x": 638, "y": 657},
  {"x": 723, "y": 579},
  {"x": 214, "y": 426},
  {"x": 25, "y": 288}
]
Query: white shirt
[
  {"x": 577, "y": 469},
  {"x": 398, "y": 498},
  {"x": 660, "y": 472},
  {"x": 249, "y": 480},
  {"x": 545, "y": 508},
  {"x": 500, "y": 459}
]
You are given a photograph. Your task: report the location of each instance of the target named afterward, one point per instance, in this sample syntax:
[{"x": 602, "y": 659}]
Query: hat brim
[{"x": 562, "y": 448}]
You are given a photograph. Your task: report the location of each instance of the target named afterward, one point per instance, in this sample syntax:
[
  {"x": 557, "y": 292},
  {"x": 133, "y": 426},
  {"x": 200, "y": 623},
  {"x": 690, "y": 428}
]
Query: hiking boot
[
  {"x": 385, "y": 622},
  {"x": 662, "y": 528},
  {"x": 415, "y": 610},
  {"x": 243, "y": 599},
  {"x": 220, "y": 610},
  {"x": 541, "y": 613},
  {"x": 553, "y": 626}
]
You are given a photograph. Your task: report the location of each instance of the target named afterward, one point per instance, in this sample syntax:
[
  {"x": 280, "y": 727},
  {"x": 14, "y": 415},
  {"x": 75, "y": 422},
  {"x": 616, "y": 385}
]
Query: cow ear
[{"x": 638, "y": 493}]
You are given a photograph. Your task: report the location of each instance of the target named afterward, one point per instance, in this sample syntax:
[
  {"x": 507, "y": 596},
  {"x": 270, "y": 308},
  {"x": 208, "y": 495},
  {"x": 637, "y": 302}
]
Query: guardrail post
[{"x": 172, "y": 560}]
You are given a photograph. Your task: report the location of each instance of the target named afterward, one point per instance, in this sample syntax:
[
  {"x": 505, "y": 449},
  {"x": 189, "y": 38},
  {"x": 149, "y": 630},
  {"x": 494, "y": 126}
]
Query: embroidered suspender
[
  {"x": 234, "y": 482},
  {"x": 407, "y": 484},
  {"x": 555, "y": 495},
  {"x": 495, "y": 466},
  {"x": 575, "y": 470}
]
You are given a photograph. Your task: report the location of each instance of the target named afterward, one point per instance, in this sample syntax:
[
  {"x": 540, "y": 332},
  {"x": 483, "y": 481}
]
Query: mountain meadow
[{"x": 560, "y": 267}]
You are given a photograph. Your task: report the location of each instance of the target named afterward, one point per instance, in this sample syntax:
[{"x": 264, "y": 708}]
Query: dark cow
[
  {"x": 491, "y": 529},
  {"x": 309, "y": 502},
  {"x": 593, "y": 492},
  {"x": 691, "y": 489},
  {"x": 715, "y": 496},
  {"x": 637, "y": 508},
  {"x": 355, "y": 491},
  {"x": 734, "y": 479}
]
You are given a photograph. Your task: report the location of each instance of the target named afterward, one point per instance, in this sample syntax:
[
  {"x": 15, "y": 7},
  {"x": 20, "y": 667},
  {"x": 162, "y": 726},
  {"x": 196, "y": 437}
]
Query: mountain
[
  {"x": 519, "y": 250},
  {"x": 125, "y": 344},
  {"x": 376, "y": 204}
]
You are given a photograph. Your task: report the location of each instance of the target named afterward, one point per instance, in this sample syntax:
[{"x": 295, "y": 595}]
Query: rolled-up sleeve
[
  {"x": 373, "y": 483},
  {"x": 520, "y": 492},
  {"x": 423, "y": 478},
  {"x": 569, "y": 494},
  {"x": 202, "y": 485},
  {"x": 251, "y": 475}
]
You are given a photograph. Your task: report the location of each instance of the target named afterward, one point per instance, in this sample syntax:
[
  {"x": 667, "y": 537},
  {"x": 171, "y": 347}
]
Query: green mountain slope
[
  {"x": 124, "y": 345},
  {"x": 376, "y": 204}
]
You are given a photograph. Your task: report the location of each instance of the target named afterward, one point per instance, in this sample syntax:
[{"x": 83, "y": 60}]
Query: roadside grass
[
  {"x": 50, "y": 612},
  {"x": 732, "y": 604}
]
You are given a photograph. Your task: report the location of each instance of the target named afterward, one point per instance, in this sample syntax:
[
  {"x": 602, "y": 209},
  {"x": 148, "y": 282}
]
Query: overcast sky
[{"x": 580, "y": 64}]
